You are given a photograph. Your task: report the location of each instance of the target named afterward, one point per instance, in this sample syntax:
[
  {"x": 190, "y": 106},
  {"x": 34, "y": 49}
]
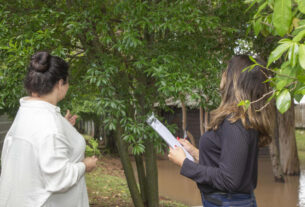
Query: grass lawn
[
  {"x": 107, "y": 186},
  {"x": 300, "y": 138}
]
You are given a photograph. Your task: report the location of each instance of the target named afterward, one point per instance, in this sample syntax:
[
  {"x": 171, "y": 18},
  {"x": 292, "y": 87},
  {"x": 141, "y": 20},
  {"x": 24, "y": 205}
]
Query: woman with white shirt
[{"x": 42, "y": 161}]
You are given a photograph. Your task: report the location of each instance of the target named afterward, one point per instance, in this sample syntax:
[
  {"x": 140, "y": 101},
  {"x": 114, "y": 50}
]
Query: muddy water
[{"x": 268, "y": 193}]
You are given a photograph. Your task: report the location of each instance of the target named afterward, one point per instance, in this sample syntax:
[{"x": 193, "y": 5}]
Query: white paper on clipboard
[{"x": 166, "y": 134}]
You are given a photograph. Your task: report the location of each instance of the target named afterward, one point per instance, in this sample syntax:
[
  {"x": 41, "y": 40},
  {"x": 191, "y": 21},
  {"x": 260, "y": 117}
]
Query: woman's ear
[{"x": 60, "y": 83}]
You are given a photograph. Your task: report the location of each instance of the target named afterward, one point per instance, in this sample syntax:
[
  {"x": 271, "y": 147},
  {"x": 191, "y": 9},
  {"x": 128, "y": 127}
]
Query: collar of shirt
[{"x": 38, "y": 104}]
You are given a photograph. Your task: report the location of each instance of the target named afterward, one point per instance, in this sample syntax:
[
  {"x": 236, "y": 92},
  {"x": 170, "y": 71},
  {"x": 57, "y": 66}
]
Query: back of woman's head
[
  {"x": 237, "y": 86},
  {"x": 44, "y": 72}
]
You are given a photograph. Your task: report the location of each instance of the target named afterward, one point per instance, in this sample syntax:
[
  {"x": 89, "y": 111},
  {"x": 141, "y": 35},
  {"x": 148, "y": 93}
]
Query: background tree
[
  {"x": 281, "y": 23},
  {"x": 125, "y": 57}
]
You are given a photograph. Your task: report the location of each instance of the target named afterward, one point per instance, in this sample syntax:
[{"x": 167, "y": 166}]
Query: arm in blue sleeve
[{"x": 227, "y": 176}]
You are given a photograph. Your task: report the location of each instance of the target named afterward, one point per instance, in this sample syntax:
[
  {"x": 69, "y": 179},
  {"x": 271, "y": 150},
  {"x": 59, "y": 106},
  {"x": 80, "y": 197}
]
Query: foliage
[
  {"x": 125, "y": 56},
  {"x": 91, "y": 146},
  {"x": 283, "y": 20},
  {"x": 122, "y": 60}
]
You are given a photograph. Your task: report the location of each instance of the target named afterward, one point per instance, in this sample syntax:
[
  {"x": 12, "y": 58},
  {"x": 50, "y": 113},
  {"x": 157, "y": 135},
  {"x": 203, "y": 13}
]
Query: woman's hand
[
  {"x": 176, "y": 155},
  {"x": 71, "y": 118},
  {"x": 90, "y": 163},
  {"x": 190, "y": 148}
]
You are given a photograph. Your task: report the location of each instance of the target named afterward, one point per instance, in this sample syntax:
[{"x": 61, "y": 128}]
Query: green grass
[
  {"x": 300, "y": 139},
  {"x": 171, "y": 204},
  {"x": 107, "y": 190},
  {"x": 107, "y": 187}
]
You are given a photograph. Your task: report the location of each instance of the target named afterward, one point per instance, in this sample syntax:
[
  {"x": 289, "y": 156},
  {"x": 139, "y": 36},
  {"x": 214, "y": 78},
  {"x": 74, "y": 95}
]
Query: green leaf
[
  {"x": 298, "y": 97},
  {"x": 301, "y": 5},
  {"x": 252, "y": 59},
  {"x": 251, "y": 5},
  {"x": 286, "y": 73},
  {"x": 282, "y": 16},
  {"x": 249, "y": 68},
  {"x": 283, "y": 101},
  {"x": 262, "y": 7},
  {"x": 257, "y": 26},
  {"x": 245, "y": 104},
  {"x": 277, "y": 53},
  {"x": 301, "y": 78},
  {"x": 285, "y": 40},
  {"x": 293, "y": 54},
  {"x": 285, "y": 76},
  {"x": 281, "y": 84},
  {"x": 302, "y": 55},
  {"x": 299, "y": 36},
  {"x": 300, "y": 91},
  {"x": 271, "y": 97}
]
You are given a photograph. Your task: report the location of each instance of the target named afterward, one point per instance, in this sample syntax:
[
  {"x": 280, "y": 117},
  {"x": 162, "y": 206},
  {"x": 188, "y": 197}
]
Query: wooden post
[{"x": 184, "y": 123}]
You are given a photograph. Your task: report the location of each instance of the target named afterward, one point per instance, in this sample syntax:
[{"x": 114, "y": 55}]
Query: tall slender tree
[{"x": 125, "y": 57}]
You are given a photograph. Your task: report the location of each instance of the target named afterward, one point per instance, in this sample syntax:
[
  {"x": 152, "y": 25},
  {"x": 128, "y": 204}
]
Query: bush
[{"x": 91, "y": 146}]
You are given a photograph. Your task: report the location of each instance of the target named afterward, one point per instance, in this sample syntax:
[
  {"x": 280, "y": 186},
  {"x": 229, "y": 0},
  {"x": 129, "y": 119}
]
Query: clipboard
[{"x": 166, "y": 134}]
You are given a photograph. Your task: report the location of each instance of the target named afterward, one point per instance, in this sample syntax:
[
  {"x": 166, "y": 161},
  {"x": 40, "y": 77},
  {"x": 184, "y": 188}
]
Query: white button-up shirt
[{"x": 42, "y": 160}]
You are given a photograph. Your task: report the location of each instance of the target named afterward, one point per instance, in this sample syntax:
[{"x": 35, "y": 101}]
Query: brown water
[{"x": 268, "y": 193}]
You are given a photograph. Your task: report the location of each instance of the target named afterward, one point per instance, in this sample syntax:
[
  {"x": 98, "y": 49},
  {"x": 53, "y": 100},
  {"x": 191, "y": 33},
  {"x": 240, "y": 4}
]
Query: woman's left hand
[
  {"x": 71, "y": 118},
  {"x": 176, "y": 155}
]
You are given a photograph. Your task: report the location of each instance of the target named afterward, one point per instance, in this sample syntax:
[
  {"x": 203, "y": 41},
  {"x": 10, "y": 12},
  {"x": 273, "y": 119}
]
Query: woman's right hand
[
  {"x": 190, "y": 148},
  {"x": 90, "y": 163}
]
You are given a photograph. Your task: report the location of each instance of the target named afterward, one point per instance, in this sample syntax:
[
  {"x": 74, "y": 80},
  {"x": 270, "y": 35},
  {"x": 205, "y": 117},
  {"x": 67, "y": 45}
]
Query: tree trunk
[
  {"x": 275, "y": 158},
  {"x": 184, "y": 124},
  {"x": 151, "y": 174},
  {"x": 142, "y": 178},
  {"x": 206, "y": 120},
  {"x": 184, "y": 118},
  {"x": 110, "y": 143},
  {"x": 148, "y": 178},
  {"x": 274, "y": 155},
  {"x": 129, "y": 174},
  {"x": 288, "y": 149},
  {"x": 191, "y": 138},
  {"x": 202, "y": 130},
  {"x": 97, "y": 127},
  {"x": 276, "y": 165}
]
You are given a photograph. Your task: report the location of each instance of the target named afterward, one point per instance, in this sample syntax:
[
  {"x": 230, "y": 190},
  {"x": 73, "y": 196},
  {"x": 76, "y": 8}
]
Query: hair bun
[{"x": 40, "y": 61}]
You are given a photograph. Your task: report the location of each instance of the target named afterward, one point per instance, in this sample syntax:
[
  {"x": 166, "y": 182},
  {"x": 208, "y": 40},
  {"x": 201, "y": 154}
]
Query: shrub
[{"x": 91, "y": 146}]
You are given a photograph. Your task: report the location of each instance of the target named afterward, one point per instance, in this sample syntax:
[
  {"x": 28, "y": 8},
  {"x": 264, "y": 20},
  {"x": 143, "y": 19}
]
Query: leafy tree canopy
[
  {"x": 125, "y": 56},
  {"x": 280, "y": 24}
]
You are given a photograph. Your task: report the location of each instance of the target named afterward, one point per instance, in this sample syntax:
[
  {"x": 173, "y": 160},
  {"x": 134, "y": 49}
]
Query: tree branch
[
  {"x": 287, "y": 76},
  {"x": 261, "y": 98},
  {"x": 259, "y": 110},
  {"x": 75, "y": 55}
]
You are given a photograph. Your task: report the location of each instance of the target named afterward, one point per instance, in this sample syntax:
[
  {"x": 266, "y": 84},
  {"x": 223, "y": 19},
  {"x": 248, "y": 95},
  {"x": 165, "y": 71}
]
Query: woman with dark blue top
[{"x": 226, "y": 167}]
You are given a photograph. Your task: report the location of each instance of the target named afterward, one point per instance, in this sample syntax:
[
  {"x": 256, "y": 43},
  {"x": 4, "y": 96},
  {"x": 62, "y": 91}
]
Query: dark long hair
[
  {"x": 44, "y": 71},
  {"x": 249, "y": 85}
]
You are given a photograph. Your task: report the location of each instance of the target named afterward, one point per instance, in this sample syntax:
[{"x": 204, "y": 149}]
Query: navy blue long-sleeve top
[{"x": 227, "y": 160}]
